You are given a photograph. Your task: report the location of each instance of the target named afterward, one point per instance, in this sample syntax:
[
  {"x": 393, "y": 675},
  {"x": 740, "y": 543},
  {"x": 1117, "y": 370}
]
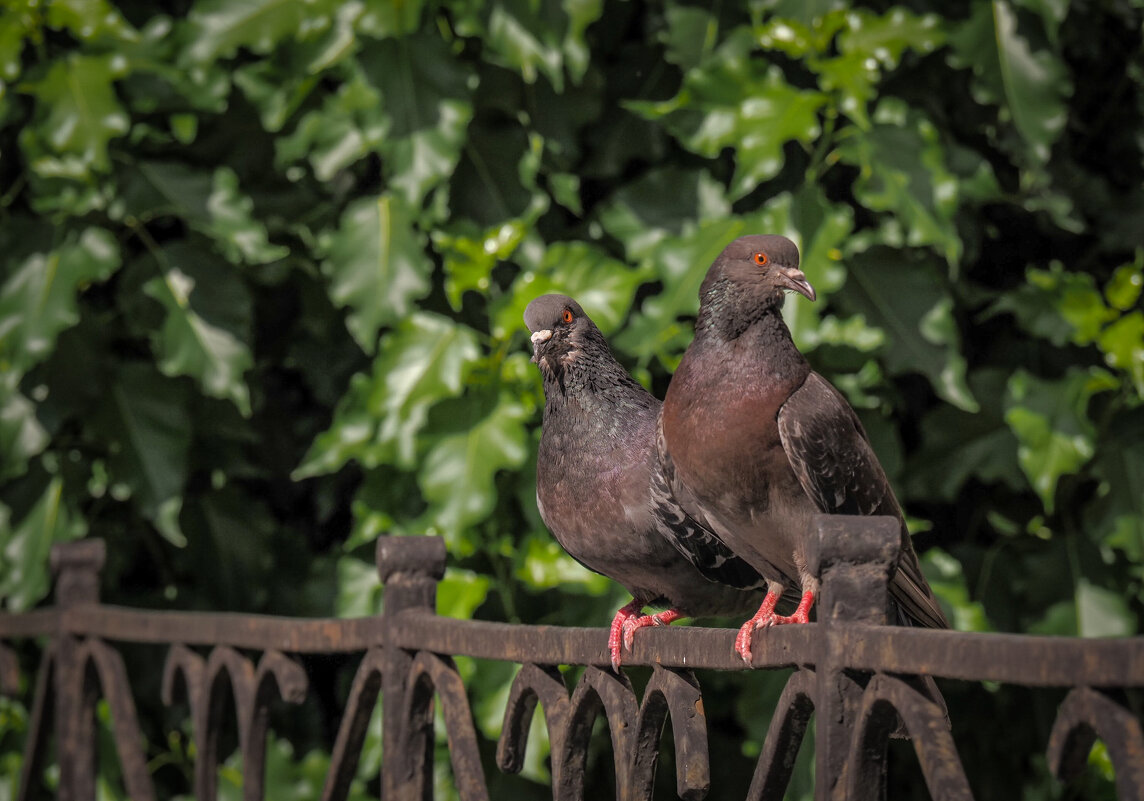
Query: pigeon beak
[
  {"x": 538, "y": 339},
  {"x": 794, "y": 278}
]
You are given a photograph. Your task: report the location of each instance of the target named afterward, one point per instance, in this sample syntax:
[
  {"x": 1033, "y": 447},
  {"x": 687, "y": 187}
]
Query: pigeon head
[
  {"x": 751, "y": 276},
  {"x": 561, "y": 332}
]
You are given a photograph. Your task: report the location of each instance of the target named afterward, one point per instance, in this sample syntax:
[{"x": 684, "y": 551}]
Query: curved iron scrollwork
[
  {"x": 351, "y": 733},
  {"x": 205, "y": 683},
  {"x": 783, "y": 738},
  {"x": 1085, "y": 715},
  {"x": 635, "y": 728},
  {"x": 886, "y": 700}
]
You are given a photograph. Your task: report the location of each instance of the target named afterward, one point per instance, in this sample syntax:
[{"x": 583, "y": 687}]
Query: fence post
[
  {"x": 410, "y": 568},
  {"x": 76, "y": 567},
  {"x": 854, "y": 557}
]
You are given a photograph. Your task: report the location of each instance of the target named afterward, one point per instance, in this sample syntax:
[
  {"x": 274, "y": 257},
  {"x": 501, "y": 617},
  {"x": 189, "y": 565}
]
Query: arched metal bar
[
  {"x": 784, "y": 737},
  {"x": 31, "y": 768},
  {"x": 543, "y": 683},
  {"x": 1085, "y": 715},
  {"x": 674, "y": 691},
  {"x": 360, "y": 704},
  {"x": 885, "y": 699},
  {"x": 278, "y": 675},
  {"x": 104, "y": 675},
  {"x": 599, "y": 691},
  {"x": 183, "y": 673},
  {"x": 431, "y": 674}
]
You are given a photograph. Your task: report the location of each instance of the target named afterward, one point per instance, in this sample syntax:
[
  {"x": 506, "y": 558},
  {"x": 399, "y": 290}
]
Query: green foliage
[{"x": 264, "y": 264}]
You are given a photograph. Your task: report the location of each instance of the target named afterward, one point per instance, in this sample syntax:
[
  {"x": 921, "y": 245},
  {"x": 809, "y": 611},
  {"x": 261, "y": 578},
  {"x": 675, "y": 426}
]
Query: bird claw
[{"x": 743, "y": 640}]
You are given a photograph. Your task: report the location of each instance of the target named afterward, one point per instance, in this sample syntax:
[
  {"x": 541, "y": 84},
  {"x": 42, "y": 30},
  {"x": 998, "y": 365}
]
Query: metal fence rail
[{"x": 861, "y": 680}]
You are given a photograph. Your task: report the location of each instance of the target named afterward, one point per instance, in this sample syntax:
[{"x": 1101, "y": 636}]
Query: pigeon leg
[
  {"x": 615, "y": 636},
  {"x": 801, "y": 613},
  {"x": 660, "y": 619},
  {"x": 764, "y": 617}
]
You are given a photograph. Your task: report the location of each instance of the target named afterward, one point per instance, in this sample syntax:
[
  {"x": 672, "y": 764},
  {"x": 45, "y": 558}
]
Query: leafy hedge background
[{"x": 264, "y": 264}]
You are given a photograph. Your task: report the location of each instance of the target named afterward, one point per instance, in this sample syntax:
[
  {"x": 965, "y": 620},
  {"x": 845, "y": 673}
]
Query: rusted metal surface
[{"x": 861, "y": 681}]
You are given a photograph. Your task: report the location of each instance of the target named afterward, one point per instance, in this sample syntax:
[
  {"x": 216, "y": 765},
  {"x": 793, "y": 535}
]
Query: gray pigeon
[
  {"x": 754, "y": 443},
  {"x": 600, "y": 490}
]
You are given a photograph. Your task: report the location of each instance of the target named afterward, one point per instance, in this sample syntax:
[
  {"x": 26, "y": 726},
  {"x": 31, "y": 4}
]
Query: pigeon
[
  {"x": 601, "y": 493},
  {"x": 754, "y": 443}
]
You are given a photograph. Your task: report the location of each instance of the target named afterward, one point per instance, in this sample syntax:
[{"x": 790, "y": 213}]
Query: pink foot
[
  {"x": 766, "y": 617},
  {"x": 615, "y": 635},
  {"x": 661, "y": 619}
]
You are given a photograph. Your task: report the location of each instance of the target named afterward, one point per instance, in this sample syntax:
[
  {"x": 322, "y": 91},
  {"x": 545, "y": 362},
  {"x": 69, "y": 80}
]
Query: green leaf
[
  {"x": 604, "y": 286},
  {"x": 348, "y": 126},
  {"x": 736, "y": 101},
  {"x": 22, "y": 436},
  {"x": 425, "y": 100},
  {"x": 458, "y": 472},
  {"x": 1102, "y": 612},
  {"x": 1051, "y": 422},
  {"x": 25, "y": 546},
  {"x": 236, "y": 233},
  {"x": 426, "y": 359},
  {"x": 218, "y": 28},
  {"x": 1058, "y": 305},
  {"x": 77, "y": 114},
  {"x": 207, "y": 328},
  {"x": 359, "y": 588},
  {"x": 1032, "y": 83},
  {"x": 659, "y": 204},
  {"x": 1123, "y": 346},
  {"x": 385, "y": 18},
  {"x": 376, "y": 265},
  {"x": 92, "y": 21},
  {"x": 471, "y": 254},
  {"x": 959, "y": 445},
  {"x": 144, "y": 415},
  {"x": 38, "y": 300},
  {"x": 460, "y": 593},
  {"x": 902, "y": 170},
  {"x": 907, "y": 297},
  {"x": 947, "y": 579}
]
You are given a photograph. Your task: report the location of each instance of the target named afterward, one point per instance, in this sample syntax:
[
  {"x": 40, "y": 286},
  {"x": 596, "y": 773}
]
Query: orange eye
[
  {"x": 761, "y": 258},
  {"x": 567, "y": 316}
]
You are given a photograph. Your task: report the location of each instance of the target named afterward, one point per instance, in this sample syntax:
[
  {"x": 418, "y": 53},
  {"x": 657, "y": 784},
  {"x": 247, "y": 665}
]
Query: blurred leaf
[
  {"x": 471, "y": 254},
  {"x": 1102, "y": 613},
  {"x": 376, "y": 265},
  {"x": 359, "y": 588},
  {"x": 660, "y": 204},
  {"x": 959, "y": 445},
  {"x": 907, "y": 298},
  {"x": 1032, "y": 83},
  {"x": 347, "y": 126},
  {"x": 425, "y": 360},
  {"x": 207, "y": 328},
  {"x": 603, "y": 286},
  {"x": 91, "y": 21},
  {"x": 144, "y": 416},
  {"x": 77, "y": 114},
  {"x": 1123, "y": 346},
  {"x": 460, "y": 592},
  {"x": 22, "y": 436},
  {"x": 25, "y": 546},
  {"x": 425, "y": 98},
  {"x": 736, "y": 101},
  {"x": 1057, "y": 305},
  {"x": 38, "y": 300},
  {"x": 903, "y": 171},
  {"x": 220, "y": 27},
  {"x": 456, "y": 476},
  {"x": 238, "y": 235},
  {"x": 383, "y": 18},
  {"x": 1050, "y": 419},
  {"x": 947, "y": 579}
]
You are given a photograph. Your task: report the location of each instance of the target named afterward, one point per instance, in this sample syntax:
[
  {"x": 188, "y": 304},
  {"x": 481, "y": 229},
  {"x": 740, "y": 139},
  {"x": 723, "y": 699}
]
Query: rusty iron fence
[{"x": 862, "y": 681}]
